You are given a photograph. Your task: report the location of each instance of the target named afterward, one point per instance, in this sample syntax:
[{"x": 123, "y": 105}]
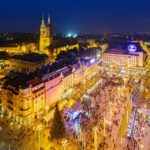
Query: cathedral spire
[
  {"x": 49, "y": 19},
  {"x": 43, "y": 20}
]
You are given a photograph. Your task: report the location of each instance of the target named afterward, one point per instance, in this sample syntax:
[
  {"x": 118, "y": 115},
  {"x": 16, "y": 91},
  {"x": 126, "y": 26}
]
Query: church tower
[{"x": 45, "y": 35}]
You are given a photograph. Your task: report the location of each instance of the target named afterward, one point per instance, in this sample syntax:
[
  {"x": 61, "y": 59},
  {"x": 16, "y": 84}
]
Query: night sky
[{"x": 77, "y": 16}]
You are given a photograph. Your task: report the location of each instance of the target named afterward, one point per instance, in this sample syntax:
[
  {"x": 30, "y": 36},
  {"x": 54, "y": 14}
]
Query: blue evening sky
[{"x": 79, "y": 16}]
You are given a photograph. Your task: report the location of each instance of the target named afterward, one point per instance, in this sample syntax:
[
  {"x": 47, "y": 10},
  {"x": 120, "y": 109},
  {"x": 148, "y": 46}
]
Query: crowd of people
[
  {"x": 93, "y": 121},
  {"x": 103, "y": 109},
  {"x": 140, "y": 130}
]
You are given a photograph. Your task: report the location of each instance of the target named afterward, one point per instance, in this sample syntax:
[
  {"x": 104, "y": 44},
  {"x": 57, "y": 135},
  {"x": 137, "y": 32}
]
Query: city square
[{"x": 74, "y": 75}]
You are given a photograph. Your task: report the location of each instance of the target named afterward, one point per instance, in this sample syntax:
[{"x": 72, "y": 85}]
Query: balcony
[
  {"x": 24, "y": 109},
  {"x": 9, "y": 107},
  {"x": 10, "y": 102}
]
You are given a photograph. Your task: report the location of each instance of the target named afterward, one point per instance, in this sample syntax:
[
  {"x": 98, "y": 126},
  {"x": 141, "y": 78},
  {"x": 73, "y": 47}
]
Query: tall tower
[{"x": 45, "y": 35}]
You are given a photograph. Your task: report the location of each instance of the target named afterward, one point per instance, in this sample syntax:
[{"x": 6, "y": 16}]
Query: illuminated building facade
[
  {"x": 42, "y": 46},
  {"x": 92, "y": 43},
  {"x": 22, "y": 66},
  {"x": 26, "y": 63},
  {"x": 19, "y": 48},
  {"x": 123, "y": 61},
  {"x": 26, "y": 98},
  {"x": 45, "y": 35},
  {"x": 46, "y": 44},
  {"x": 23, "y": 101},
  {"x": 57, "y": 50}
]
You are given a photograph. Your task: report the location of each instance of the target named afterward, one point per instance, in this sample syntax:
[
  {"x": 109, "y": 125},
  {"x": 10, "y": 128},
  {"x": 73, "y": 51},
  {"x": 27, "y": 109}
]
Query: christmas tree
[{"x": 57, "y": 128}]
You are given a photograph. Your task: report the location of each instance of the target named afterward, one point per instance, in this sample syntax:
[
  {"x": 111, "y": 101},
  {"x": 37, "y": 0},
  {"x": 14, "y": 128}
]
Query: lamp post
[
  {"x": 9, "y": 147},
  {"x": 83, "y": 142},
  {"x": 121, "y": 139},
  {"x": 64, "y": 144},
  {"x": 104, "y": 127},
  {"x": 110, "y": 111},
  {"x": 127, "y": 116},
  {"x": 11, "y": 125},
  {"x": 84, "y": 84},
  {"x": 46, "y": 108},
  {"x": 46, "y": 119},
  {"x": 39, "y": 131},
  {"x": 95, "y": 129}
]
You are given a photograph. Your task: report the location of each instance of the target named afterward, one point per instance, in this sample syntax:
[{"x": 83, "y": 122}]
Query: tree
[
  {"x": 4, "y": 55},
  {"x": 57, "y": 128}
]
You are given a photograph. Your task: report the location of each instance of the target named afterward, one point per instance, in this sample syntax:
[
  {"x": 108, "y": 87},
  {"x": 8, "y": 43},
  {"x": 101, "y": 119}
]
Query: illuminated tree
[{"x": 57, "y": 128}]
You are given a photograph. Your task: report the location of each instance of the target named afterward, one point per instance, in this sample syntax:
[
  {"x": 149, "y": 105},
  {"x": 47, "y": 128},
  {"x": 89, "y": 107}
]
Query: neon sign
[{"x": 132, "y": 48}]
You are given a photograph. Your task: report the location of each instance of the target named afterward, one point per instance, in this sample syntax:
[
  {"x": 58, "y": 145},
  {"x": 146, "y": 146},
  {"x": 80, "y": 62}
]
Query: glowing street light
[
  {"x": 69, "y": 35},
  {"x": 46, "y": 108},
  {"x": 64, "y": 143},
  {"x": 11, "y": 125},
  {"x": 75, "y": 35},
  {"x": 141, "y": 146},
  {"x": 95, "y": 129},
  {"x": 144, "y": 116},
  {"x": 143, "y": 128},
  {"x": 9, "y": 147},
  {"x": 46, "y": 119}
]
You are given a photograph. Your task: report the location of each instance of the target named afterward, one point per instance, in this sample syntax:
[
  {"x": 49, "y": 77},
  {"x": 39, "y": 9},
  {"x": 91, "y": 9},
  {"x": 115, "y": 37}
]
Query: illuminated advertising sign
[
  {"x": 132, "y": 48},
  {"x": 92, "y": 61}
]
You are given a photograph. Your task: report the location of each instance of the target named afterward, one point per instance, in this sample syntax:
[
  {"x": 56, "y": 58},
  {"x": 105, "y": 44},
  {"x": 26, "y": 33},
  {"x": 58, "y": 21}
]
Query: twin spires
[
  {"x": 43, "y": 20},
  {"x": 48, "y": 21}
]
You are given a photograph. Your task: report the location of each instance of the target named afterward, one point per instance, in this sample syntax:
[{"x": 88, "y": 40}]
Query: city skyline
[
  {"x": 96, "y": 16},
  {"x": 75, "y": 75}
]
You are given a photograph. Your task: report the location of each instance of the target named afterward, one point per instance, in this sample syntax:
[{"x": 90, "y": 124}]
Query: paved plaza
[{"x": 92, "y": 122}]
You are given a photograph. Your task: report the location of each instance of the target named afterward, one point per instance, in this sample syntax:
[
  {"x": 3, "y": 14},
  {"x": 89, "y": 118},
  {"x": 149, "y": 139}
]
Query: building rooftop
[
  {"x": 51, "y": 70},
  {"x": 20, "y": 81},
  {"x": 128, "y": 48},
  {"x": 116, "y": 51},
  {"x": 8, "y": 45},
  {"x": 31, "y": 57},
  {"x": 62, "y": 43}
]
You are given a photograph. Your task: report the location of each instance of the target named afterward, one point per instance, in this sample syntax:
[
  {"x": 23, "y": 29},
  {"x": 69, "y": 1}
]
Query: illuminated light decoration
[
  {"x": 122, "y": 71},
  {"x": 132, "y": 48},
  {"x": 129, "y": 133},
  {"x": 75, "y": 35},
  {"x": 136, "y": 80},
  {"x": 74, "y": 115},
  {"x": 98, "y": 54},
  {"x": 69, "y": 35},
  {"x": 70, "y": 123},
  {"x": 86, "y": 96},
  {"x": 72, "y": 35},
  {"x": 92, "y": 61},
  {"x": 67, "y": 93}
]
